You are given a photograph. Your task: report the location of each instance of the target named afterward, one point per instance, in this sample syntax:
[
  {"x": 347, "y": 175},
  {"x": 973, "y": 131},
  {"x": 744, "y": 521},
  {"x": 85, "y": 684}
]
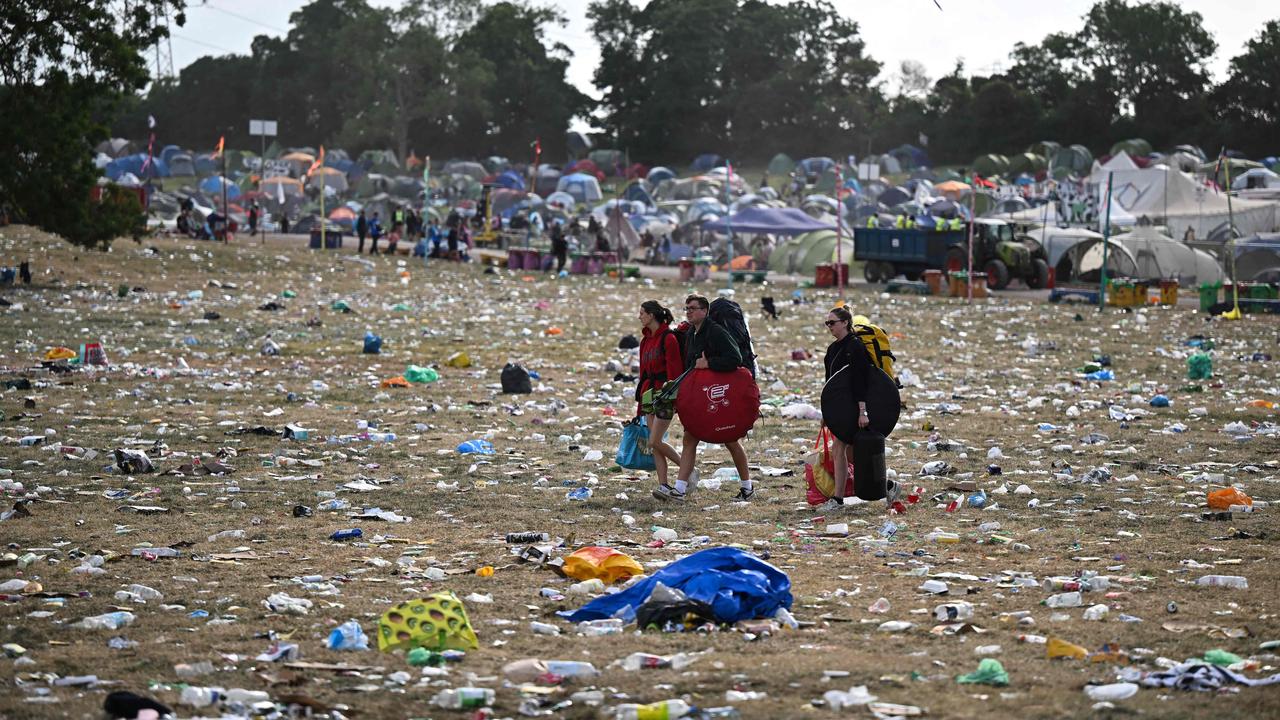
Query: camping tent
[
  {"x": 1160, "y": 256},
  {"x": 181, "y": 165},
  {"x": 1173, "y": 199},
  {"x": 800, "y": 254},
  {"x": 767, "y": 221},
  {"x": 465, "y": 167},
  {"x": 584, "y": 188},
  {"x": 333, "y": 179},
  {"x": 511, "y": 180},
  {"x": 212, "y": 186},
  {"x": 1250, "y": 179},
  {"x": 546, "y": 180},
  {"x": 909, "y": 156},
  {"x": 706, "y": 161},
  {"x": 1136, "y": 146},
  {"x": 1258, "y": 256},
  {"x": 780, "y": 165},
  {"x": 658, "y": 174}
]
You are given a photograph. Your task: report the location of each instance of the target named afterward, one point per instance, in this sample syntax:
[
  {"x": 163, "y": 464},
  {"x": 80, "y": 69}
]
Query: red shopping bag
[{"x": 820, "y": 473}]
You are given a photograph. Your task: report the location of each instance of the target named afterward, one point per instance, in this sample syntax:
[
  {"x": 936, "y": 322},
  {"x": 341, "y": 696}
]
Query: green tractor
[{"x": 1002, "y": 256}]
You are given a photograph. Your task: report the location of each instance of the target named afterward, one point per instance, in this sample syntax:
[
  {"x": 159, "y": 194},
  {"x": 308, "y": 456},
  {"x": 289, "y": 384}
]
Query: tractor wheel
[
  {"x": 997, "y": 274},
  {"x": 956, "y": 261},
  {"x": 1039, "y": 276},
  {"x": 912, "y": 275},
  {"x": 887, "y": 271},
  {"x": 871, "y": 272}
]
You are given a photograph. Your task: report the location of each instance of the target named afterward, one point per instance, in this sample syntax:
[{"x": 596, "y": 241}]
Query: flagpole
[
  {"x": 839, "y": 238},
  {"x": 973, "y": 204},
  {"x": 226, "y": 210},
  {"x": 1231, "y": 247},
  {"x": 728, "y": 189},
  {"x": 323, "y": 246},
  {"x": 1106, "y": 240}
]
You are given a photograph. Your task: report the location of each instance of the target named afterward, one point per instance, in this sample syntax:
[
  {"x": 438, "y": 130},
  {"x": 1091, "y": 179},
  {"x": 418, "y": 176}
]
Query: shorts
[{"x": 665, "y": 411}]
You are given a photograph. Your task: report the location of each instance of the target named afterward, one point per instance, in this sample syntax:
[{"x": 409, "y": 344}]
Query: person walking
[
  {"x": 848, "y": 353},
  {"x": 362, "y": 230},
  {"x": 708, "y": 346},
  {"x": 253, "y": 219},
  {"x": 660, "y": 363},
  {"x": 375, "y": 232},
  {"x": 560, "y": 246}
]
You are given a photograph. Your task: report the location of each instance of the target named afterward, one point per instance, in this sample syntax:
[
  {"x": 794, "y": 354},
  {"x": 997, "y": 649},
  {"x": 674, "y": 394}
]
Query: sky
[{"x": 981, "y": 32}]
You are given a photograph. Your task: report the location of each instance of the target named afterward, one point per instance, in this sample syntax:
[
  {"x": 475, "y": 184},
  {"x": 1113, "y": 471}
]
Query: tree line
[{"x": 742, "y": 78}]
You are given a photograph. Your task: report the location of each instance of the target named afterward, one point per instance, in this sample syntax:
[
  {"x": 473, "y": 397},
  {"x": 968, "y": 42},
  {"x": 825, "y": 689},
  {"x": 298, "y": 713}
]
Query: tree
[
  {"x": 527, "y": 95},
  {"x": 682, "y": 77},
  {"x": 913, "y": 81},
  {"x": 64, "y": 67},
  {"x": 1249, "y": 100},
  {"x": 1155, "y": 57}
]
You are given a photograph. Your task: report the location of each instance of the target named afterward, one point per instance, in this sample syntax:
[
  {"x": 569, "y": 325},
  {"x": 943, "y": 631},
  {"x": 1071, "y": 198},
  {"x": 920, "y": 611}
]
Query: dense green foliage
[
  {"x": 63, "y": 67},
  {"x": 444, "y": 77}
]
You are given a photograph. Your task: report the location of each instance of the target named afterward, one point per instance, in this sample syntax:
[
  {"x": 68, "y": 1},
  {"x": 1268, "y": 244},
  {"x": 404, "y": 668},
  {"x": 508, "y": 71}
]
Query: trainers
[
  {"x": 831, "y": 505},
  {"x": 666, "y": 492},
  {"x": 744, "y": 494}
]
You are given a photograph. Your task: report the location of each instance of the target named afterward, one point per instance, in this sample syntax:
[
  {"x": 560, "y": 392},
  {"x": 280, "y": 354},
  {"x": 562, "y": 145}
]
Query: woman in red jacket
[{"x": 660, "y": 362}]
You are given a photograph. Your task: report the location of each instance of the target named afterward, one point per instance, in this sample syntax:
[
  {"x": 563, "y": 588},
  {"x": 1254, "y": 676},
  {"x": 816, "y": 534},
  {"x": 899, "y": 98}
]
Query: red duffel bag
[{"x": 718, "y": 407}]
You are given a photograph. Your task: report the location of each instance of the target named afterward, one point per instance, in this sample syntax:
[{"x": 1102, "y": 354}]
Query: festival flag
[
  {"x": 280, "y": 193},
  {"x": 218, "y": 151},
  {"x": 318, "y": 163}
]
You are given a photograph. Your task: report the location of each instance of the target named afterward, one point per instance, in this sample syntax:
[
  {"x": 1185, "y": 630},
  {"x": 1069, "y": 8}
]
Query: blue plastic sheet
[
  {"x": 736, "y": 584},
  {"x": 634, "y": 452}
]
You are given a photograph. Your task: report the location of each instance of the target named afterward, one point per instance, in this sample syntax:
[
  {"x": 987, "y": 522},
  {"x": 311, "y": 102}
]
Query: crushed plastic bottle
[
  {"x": 665, "y": 710},
  {"x": 348, "y": 636},
  {"x": 463, "y": 698}
]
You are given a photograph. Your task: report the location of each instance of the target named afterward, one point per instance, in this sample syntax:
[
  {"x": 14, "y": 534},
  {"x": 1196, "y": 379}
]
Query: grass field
[{"x": 988, "y": 376}]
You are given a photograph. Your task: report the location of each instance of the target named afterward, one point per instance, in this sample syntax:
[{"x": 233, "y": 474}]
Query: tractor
[{"x": 1002, "y": 256}]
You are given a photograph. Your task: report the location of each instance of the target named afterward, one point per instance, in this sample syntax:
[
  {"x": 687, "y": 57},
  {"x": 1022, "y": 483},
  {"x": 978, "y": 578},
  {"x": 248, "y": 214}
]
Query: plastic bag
[
  {"x": 1225, "y": 498},
  {"x": 515, "y": 380},
  {"x": 820, "y": 474},
  {"x": 415, "y": 374},
  {"x": 372, "y": 344},
  {"x": 604, "y": 563},
  {"x": 634, "y": 452},
  {"x": 1199, "y": 366}
]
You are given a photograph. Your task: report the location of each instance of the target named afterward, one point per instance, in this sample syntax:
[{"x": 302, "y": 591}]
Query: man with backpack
[{"x": 708, "y": 344}]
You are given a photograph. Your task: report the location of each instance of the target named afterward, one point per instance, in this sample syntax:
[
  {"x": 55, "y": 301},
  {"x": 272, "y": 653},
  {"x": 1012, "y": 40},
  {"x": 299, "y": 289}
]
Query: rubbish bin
[
  {"x": 532, "y": 259},
  {"x": 686, "y": 269},
  {"x": 933, "y": 278},
  {"x": 824, "y": 275},
  {"x": 595, "y": 264},
  {"x": 515, "y": 258},
  {"x": 1209, "y": 295},
  {"x": 979, "y": 281},
  {"x": 1169, "y": 291},
  {"x": 578, "y": 266},
  {"x": 958, "y": 284},
  {"x": 332, "y": 239}
]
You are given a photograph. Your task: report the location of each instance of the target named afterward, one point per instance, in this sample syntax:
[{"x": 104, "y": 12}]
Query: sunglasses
[{"x": 829, "y": 323}]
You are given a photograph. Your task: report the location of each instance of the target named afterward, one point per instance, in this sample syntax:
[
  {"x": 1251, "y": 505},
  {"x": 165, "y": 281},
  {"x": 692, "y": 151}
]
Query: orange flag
[
  {"x": 318, "y": 163},
  {"x": 221, "y": 141}
]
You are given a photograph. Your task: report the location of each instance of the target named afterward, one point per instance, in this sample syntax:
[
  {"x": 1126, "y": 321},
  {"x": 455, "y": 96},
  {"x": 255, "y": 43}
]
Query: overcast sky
[{"x": 982, "y": 32}]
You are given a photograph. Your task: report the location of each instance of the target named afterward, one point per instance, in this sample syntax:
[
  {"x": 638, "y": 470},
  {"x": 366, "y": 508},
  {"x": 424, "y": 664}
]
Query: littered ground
[{"x": 986, "y": 376}]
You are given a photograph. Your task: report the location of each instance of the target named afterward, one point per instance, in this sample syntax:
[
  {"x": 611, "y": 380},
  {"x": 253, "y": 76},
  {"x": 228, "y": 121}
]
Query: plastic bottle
[
  {"x": 945, "y": 538},
  {"x": 937, "y": 587},
  {"x": 586, "y": 587},
  {"x": 542, "y": 628},
  {"x": 107, "y": 621},
  {"x": 728, "y": 712},
  {"x": 1231, "y": 581},
  {"x": 348, "y": 636},
  {"x": 463, "y": 698},
  {"x": 582, "y": 493},
  {"x": 237, "y": 695},
  {"x": 524, "y": 538},
  {"x": 571, "y": 668},
  {"x": 1060, "y": 584},
  {"x": 1064, "y": 600},
  {"x": 348, "y": 534},
  {"x": 1114, "y": 691},
  {"x": 381, "y": 437},
  {"x": 199, "y": 697},
  {"x": 637, "y": 661},
  {"x": 606, "y": 626},
  {"x": 1033, "y": 639},
  {"x": 1096, "y": 612},
  {"x": 665, "y": 710}
]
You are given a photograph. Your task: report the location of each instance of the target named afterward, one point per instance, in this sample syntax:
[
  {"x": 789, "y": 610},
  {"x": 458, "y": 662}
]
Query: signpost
[{"x": 263, "y": 128}]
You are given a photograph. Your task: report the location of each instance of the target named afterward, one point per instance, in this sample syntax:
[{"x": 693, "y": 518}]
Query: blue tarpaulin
[
  {"x": 736, "y": 584},
  {"x": 769, "y": 221}
]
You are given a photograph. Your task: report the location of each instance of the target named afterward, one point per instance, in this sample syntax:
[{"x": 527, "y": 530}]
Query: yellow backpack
[{"x": 877, "y": 343}]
